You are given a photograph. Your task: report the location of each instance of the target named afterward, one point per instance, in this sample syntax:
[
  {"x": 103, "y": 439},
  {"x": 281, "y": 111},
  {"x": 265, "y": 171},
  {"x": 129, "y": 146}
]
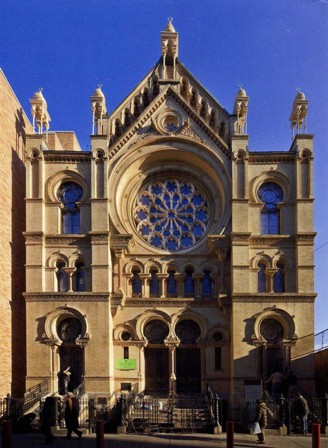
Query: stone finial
[
  {"x": 170, "y": 49},
  {"x": 299, "y": 112},
  {"x": 98, "y": 107},
  {"x": 39, "y": 112},
  {"x": 240, "y": 110}
]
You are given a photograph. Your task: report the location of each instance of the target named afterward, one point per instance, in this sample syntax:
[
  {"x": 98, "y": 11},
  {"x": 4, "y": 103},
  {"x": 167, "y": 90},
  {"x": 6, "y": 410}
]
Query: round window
[
  {"x": 126, "y": 336},
  {"x": 156, "y": 331},
  {"x": 69, "y": 329},
  {"x": 217, "y": 336},
  {"x": 272, "y": 330},
  {"x": 171, "y": 214},
  {"x": 187, "y": 331}
]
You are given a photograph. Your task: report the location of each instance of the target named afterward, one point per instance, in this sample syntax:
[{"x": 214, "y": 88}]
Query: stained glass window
[
  {"x": 207, "y": 283},
  {"x": 80, "y": 277},
  {"x": 261, "y": 278},
  {"x": 187, "y": 331},
  {"x": 156, "y": 331},
  {"x": 171, "y": 214},
  {"x": 62, "y": 278},
  {"x": 278, "y": 279},
  {"x": 189, "y": 283},
  {"x": 136, "y": 283},
  {"x": 271, "y": 194},
  {"x": 272, "y": 330},
  {"x": 69, "y": 194},
  {"x": 154, "y": 283},
  {"x": 171, "y": 283}
]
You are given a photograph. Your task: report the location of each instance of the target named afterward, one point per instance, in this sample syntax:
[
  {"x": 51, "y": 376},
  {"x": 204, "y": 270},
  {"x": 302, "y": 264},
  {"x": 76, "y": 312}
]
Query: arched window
[
  {"x": 187, "y": 331},
  {"x": 136, "y": 283},
  {"x": 189, "y": 287},
  {"x": 62, "y": 278},
  {"x": 207, "y": 283},
  {"x": 79, "y": 277},
  {"x": 153, "y": 284},
  {"x": 171, "y": 283},
  {"x": 271, "y": 194},
  {"x": 156, "y": 331},
  {"x": 69, "y": 195},
  {"x": 279, "y": 279},
  {"x": 261, "y": 278}
]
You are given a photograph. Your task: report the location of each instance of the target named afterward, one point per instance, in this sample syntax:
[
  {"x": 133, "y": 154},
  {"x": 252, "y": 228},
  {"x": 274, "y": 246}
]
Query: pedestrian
[
  {"x": 261, "y": 419},
  {"x": 72, "y": 411},
  {"x": 302, "y": 411},
  {"x": 48, "y": 419},
  {"x": 67, "y": 377},
  {"x": 276, "y": 379}
]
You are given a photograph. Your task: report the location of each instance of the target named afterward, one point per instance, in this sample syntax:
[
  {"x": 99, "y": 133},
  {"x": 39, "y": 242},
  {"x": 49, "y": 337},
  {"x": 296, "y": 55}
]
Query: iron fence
[
  {"x": 282, "y": 412},
  {"x": 175, "y": 413}
]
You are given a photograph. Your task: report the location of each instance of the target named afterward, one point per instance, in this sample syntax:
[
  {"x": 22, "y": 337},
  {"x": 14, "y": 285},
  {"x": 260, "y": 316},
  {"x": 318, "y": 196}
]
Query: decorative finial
[
  {"x": 99, "y": 86},
  {"x": 169, "y": 20},
  {"x": 299, "y": 90},
  {"x": 40, "y": 89}
]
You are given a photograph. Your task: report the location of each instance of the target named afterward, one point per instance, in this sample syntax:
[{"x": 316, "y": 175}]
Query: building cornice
[
  {"x": 273, "y": 297},
  {"x": 66, "y": 297}
]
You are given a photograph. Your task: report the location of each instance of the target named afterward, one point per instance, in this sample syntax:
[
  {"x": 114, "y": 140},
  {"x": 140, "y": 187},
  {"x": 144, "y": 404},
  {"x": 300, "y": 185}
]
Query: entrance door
[
  {"x": 72, "y": 356},
  {"x": 157, "y": 370},
  {"x": 274, "y": 360},
  {"x": 188, "y": 370}
]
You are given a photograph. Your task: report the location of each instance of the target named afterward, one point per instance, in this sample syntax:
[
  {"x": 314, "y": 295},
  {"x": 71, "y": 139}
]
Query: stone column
[{"x": 162, "y": 278}]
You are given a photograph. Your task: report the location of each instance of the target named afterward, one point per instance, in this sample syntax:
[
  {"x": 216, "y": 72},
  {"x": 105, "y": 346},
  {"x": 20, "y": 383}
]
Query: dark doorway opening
[
  {"x": 157, "y": 370},
  {"x": 188, "y": 370},
  {"x": 72, "y": 356}
]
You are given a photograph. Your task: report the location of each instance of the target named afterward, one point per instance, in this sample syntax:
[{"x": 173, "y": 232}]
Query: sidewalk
[{"x": 166, "y": 441}]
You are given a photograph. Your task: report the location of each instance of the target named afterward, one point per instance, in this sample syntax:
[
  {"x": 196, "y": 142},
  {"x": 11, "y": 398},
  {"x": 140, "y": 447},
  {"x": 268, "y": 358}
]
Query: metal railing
[
  {"x": 282, "y": 412},
  {"x": 321, "y": 340},
  {"x": 34, "y": 394}
]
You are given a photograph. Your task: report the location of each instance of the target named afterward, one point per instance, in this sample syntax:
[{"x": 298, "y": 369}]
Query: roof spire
[
  {"x": 170, "y": 48},
  {"x": 169, "y": 26}
]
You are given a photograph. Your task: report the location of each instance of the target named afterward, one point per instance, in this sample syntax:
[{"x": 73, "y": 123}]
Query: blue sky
[{"x": 68, "y": 47}]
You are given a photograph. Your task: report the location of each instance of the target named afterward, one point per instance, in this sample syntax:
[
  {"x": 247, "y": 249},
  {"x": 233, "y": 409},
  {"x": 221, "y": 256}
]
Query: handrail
[
  {"x": 34, "y": 394},
  {"x": 321, "y": 340}
]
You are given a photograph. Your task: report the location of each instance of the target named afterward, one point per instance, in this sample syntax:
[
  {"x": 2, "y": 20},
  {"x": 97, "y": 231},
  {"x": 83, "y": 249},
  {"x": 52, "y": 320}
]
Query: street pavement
[{"x": 165, "y": 441}]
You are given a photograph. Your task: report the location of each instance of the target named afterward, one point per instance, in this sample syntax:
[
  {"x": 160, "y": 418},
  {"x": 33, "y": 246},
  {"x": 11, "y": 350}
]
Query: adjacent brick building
[{"x": 14, "y": 125}]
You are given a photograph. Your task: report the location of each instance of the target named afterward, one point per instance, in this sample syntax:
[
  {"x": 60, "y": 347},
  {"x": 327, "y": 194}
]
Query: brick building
[
  {"x": 14, "y": 125},
  {"x": 168, "y": 256}
]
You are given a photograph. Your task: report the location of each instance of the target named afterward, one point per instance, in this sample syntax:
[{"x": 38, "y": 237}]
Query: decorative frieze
[
  {"x": 66, "y": 297},
  {"x": 273, "y": 297}
]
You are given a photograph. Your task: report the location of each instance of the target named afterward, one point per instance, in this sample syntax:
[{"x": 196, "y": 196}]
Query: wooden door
[{"x": 157, "y": 370}]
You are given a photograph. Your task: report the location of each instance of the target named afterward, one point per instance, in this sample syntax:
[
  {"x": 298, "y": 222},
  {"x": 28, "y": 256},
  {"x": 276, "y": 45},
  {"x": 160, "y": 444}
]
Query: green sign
[{"x": 126, "y": 364}]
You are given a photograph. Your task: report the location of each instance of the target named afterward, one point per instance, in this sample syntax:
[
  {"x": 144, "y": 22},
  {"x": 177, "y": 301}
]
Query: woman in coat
[
  {"x": 72, "y": 411},
  {"x": 261, "y": 418}
]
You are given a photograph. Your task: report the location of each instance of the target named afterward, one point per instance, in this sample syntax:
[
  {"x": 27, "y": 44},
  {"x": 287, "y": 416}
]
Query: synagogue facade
[{"x": 170, "y": 256}]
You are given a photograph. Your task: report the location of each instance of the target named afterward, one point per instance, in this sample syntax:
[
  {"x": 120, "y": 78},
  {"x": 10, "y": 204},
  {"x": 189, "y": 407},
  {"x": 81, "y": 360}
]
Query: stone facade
[{"x": 169, "y": 256}]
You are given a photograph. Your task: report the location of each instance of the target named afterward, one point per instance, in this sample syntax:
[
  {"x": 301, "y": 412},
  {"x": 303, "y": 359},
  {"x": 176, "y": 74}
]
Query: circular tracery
[{"x": 171, "y": 214}]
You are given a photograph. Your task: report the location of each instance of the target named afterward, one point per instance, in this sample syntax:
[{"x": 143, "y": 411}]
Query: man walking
[
  {"x": 302, "y": 411},
  {"x": 72, "y": 411}
]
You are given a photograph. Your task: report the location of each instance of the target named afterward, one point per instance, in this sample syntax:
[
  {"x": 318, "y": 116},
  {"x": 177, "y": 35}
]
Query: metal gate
[{"x": 173, "y": 414}]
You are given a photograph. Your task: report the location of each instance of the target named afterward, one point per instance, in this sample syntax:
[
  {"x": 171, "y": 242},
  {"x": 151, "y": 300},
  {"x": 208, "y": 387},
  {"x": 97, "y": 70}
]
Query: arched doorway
[
  {"x": 274, "y": 359},
  {"x": 156, "y": 357},
  {"x": 188, "y": 363},
  {"x": 71, "y": 354}
]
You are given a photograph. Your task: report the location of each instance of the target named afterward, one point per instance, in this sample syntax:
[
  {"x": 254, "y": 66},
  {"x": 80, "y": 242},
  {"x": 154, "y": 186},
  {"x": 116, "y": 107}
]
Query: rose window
[{"x": 171, "y": 214}]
